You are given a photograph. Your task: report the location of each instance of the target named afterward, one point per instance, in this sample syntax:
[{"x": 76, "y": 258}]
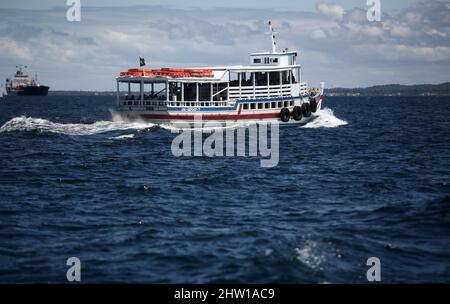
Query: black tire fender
[
  {"x": 306, "y": 109},
  {"x": 285, "y": 115},
  {"x": 297, "y": 113},
  {"x": 313, "y": 104}
]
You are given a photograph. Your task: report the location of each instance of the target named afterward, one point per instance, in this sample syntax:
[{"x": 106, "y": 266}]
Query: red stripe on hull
[{"x": 211, "y": 116}]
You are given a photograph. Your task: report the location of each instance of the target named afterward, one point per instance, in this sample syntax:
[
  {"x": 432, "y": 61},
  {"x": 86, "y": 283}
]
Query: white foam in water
[
  {"x": 23, "y": 123},
  {"x": 325, "y": 119},
  {"x": 309, "y": 255},
  {"x": 122, "y": 137}
]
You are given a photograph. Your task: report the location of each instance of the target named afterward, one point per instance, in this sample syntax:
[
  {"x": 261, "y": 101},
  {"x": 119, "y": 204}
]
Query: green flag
[{"x": 141, "y": 61}]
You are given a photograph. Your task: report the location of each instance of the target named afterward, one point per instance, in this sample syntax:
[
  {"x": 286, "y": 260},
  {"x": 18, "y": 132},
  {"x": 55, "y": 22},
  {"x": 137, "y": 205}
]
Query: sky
[{"x": 336, "y": 42}]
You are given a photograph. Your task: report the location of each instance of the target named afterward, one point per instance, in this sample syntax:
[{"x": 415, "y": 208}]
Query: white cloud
[
  {"x": 318, "y": 34},
  {"x": 332, "y": 10},
  {"x": 11, "y": 49},
  {"x": 405, "y": 53}
]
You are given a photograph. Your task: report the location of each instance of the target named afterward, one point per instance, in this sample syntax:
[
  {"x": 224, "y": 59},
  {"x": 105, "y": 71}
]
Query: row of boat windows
[
  {"x": 267, "y": 105},
  {"x": 176, "y": 103},
  {"x": 246, "y": 106},
  {"x": 264, "y": 78},
  {"x": 267, "y": 60}
]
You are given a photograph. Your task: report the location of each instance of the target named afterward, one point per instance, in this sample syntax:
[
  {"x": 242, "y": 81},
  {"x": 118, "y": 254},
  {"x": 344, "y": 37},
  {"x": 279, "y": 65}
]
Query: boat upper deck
[{"x": 259, "y": 63}]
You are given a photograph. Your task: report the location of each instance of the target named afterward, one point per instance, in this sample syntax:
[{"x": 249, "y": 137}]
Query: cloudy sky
[{"x": 337, "y": 43}]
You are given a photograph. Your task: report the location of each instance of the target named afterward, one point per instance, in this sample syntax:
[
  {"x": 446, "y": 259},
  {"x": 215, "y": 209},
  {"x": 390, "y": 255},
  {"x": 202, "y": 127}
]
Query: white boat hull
[{"x": 188, "y": 115}]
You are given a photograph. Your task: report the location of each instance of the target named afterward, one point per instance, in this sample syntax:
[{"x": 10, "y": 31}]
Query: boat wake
[
  {"x": 30, "y": 124},
  {"x": 325, "y": 119}
]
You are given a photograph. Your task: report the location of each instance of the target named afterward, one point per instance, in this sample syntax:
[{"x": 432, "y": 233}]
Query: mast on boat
[{"x": 272, "y": 37}]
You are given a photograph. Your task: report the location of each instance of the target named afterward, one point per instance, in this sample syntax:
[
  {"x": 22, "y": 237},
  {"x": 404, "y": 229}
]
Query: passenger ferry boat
[{"x": 270, "y": 88}]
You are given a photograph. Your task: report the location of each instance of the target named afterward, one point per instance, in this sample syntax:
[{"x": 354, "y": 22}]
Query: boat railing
[
  {"x": 260, "y": 91},
  {"x": 165, "y": 103}
]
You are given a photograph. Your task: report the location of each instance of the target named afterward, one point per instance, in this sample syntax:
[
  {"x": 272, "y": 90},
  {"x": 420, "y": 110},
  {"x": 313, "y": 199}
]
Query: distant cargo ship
[{"x": 22, "y": 84}]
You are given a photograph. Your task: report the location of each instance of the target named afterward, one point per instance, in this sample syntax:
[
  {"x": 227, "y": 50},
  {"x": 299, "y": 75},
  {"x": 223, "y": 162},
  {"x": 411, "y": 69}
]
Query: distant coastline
[{"x": 442, "y": 89}]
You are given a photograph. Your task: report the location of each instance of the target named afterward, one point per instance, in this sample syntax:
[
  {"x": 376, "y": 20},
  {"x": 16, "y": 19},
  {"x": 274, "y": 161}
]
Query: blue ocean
[{"x": 370, "y": 177}]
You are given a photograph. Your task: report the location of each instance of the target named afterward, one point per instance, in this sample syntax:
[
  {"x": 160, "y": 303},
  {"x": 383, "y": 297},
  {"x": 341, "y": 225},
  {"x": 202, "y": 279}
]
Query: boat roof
[
  {"x": 274, "y": 53},
  {"x": 218, "y": 72}
]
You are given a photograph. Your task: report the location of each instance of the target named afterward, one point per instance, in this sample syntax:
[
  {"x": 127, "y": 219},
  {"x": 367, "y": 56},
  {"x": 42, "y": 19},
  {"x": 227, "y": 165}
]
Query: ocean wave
[
  {"x": 30, "y": 124},
  {"x": 325, "y": 119},
  {"x": 122, "y": 137}
]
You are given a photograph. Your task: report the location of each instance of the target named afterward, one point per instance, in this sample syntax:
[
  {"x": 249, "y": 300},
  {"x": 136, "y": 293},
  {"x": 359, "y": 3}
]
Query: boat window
[
  {"x": 204, "y": 91},
  {"x": 285, "y": 77},
  {"x": 234, "y": 80},
  {"x": 220, "y": 87},
  {"x": 257, "y": 60},
  {"x": 280, "y": 104},
  {"x": 291, "y": 103},
  {"x": 190, "y": 91},
  {"x": 260, "y": 105},
  {"x": 294, "y": 73},
  {"x": 246, "y": 79},
  {"x": 266, "y": 60},
  {"x": 274, "y": 78},
  {"x": 285, "y": 104},
  {"x": 253, "y": 106},
  {"x": 267, "y": 105},
  {"x": 274, "y": 105},
  {"x": 261, "y": 78},
  {"x": 174, "y": 91},
  {"x": 274, "y": 60},
  {"x": 245, "y": 106}
]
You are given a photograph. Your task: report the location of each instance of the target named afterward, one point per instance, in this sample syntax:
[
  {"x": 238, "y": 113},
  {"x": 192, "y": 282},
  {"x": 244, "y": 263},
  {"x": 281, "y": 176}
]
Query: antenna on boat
[{"x": 272, "y": 37}]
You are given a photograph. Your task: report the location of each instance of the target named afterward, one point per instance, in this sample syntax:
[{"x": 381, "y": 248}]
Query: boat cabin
[{"x": 269, "y": 75}]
